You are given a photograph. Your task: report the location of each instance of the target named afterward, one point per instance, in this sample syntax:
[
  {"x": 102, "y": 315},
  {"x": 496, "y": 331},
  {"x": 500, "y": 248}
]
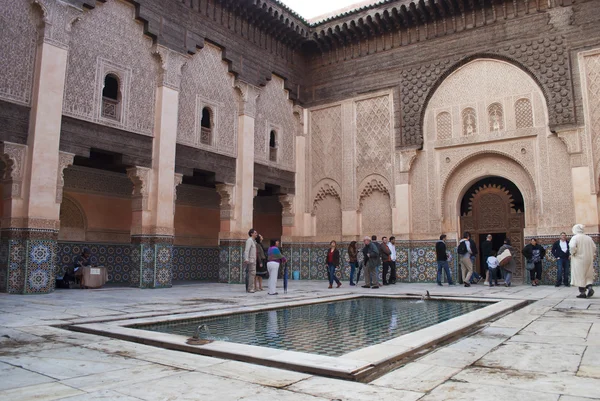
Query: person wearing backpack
[
  {"x": 534, "y": 253},
  {"x": 464, "y": 258}
]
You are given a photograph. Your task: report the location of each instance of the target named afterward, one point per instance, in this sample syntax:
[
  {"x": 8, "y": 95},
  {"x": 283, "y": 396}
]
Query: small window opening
[
  {"x": 273, "y": 146},
  {"x": 111, "y": 98},
  {"x": 206, "y": 126}
]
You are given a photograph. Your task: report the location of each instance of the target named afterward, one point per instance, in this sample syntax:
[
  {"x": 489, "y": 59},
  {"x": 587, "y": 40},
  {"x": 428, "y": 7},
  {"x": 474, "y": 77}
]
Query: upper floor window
[
  {"x": 444, "y": 126},
  {"x": 273, "y": 146},
  {"x": 469, "y": 119},
  {"x": 495, "y": 117},
  {"x": 111, "y": 97},
  {"x": 523, "y": 113},
  {"x": 206, "y": 126}
]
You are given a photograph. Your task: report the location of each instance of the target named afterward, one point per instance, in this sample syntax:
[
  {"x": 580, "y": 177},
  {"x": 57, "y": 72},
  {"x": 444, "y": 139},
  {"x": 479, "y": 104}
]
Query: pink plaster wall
[
  {"x": 103, "y": 212},
  {"x": 268, "y": 225},
  {"x": 196, "y": 226}
]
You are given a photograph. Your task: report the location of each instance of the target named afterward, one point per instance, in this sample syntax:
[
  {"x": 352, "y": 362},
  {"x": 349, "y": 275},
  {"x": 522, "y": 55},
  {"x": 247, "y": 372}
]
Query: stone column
[
  {"x": 300, "y": 216},
  {"x": 582, "y": 179},
  {"x": 351, "y": 222},
  {"x": 237, "y": 200},
  {"x": 31, "y": 217},
  {"x": 401, "y": 214},
  {"x": 154, "y": 195}
]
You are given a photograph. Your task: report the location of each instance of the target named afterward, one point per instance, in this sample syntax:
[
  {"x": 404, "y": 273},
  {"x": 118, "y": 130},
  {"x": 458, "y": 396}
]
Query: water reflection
[{"x": 333, "y": 328}]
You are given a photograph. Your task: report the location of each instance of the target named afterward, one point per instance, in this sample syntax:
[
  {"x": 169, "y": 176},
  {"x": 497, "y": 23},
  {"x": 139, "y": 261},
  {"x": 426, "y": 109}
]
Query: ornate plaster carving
[
  {"x": 227, "y": 194},
  {"x": 247, "y": 98},
  {"x": 326, "y": 188},
  {"x": 177, "y": 182},
  {"x": 14, "y": 156},
  {"x": 65, "y": 159},
  {"x": 371, "y": 184},
  {"x": 288, "y": 213},
  {"x": 58, "y": 18},
  {"x": 477, "y": 168},
  {"x": 406, "y": 159},
  {"x": 140, "y": 176},
  {"x": 171, "y": 63},
  {"x": 325, "y": 139}
]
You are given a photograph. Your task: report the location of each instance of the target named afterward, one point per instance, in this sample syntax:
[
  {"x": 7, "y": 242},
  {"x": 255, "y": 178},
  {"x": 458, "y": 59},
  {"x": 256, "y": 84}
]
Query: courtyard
[{"x": 547, "y": 350}]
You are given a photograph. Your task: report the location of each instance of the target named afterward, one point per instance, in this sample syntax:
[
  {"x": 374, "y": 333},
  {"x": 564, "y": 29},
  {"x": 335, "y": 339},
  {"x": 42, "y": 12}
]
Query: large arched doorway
[{"x": 494, "y": 205}]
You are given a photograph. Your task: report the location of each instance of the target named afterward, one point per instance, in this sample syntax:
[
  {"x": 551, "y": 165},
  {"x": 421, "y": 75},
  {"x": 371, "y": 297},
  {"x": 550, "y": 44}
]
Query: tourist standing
[
  {"x": 374, "y": 261},
  {"x": 475, "y": 277},
  {"x": 464, "y": 253},
  {"x": 261, "y": 264},
  {"x": 561, "y": 252},
  {"x": 441, "y": 255},
  {"x": 275, "y": 260},
  {"x": 386, "y": 258},
  {"x": 583, "y": 252},
  {"x": 333, "y": 262},
  {"x": 392, "y": 246},
  {"x": 352, "y": 260},
  {"x": 534, "y": 253},
  {"x": 487, "y": 251},
  {"x": 250, "y": 260},
  {"x": 365, "y": 251},
  {"x": 510, "y": 267}
]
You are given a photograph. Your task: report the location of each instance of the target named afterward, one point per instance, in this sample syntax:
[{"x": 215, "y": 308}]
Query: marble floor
[{"x": 548, "y": 350}]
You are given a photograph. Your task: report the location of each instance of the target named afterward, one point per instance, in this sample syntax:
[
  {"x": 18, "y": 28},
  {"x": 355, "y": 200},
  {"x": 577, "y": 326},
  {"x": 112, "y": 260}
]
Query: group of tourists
[
  {"x": 577, "y": 254},
  {"x": 261, "y": 265}
]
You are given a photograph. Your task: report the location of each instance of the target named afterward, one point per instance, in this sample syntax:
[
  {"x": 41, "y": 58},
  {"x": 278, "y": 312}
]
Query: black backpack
[{"x": 462, "y": 248}]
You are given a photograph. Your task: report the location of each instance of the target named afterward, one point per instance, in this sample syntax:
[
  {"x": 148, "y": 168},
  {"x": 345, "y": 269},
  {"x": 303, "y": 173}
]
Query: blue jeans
[
  {"x": 564, "y": 270},
  {"x": 331, "y": 271},
  {"x": 352, "y": 271},
  {"x": 443, "y": 264}
]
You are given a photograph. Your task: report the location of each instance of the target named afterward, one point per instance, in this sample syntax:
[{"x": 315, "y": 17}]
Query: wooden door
[{"x": 491, "y": 210}]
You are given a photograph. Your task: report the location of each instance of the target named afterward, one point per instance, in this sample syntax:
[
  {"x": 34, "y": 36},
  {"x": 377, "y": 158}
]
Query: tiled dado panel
[
  {"x": 188, "y": 263},
  {"x": 27, "y": 264},
  {"x": 192, "y": 263},
  {"x": 549, "y": 266},
  {"x": 415, "y": 261}
]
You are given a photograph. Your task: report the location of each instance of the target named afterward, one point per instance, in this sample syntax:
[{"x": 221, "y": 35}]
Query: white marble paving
[{"x": 545, "y": 351}]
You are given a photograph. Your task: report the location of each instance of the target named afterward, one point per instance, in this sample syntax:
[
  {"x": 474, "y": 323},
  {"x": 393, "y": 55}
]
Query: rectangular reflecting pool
[{"x": 329, "y": 329}]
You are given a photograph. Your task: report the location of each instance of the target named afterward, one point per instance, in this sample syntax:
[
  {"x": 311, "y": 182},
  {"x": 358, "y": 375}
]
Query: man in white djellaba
[{"x": 583, "y": 251}]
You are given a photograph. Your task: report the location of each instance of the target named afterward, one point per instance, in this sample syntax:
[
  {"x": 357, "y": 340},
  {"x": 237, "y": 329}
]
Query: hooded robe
[{"x": 583, "y": 251}]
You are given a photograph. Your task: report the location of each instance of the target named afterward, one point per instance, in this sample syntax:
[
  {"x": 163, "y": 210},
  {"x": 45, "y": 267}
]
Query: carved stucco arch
[
  {"x": 465, "y": 160},
  {"x": 325, "y": 187},
  {"x": 478, "y": 167},
  {"x": 374, "y": 182},
  {"x": 469, "y": 59}
]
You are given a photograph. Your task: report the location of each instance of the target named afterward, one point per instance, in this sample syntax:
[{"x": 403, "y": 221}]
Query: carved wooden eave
[{"x": 426, "y": 19}]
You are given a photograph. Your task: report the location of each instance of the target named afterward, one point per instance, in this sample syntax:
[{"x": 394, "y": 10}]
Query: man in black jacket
[
  {"x": 561, "y": 252},
  {"x": 534, "y": 253},
  {"x": 442, "y": 260}
]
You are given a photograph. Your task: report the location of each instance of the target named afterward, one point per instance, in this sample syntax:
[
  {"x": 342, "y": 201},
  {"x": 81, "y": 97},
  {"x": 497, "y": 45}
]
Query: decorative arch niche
[
  {"x": 73, "y": 222},
  {"x": 327, "y": 208}
]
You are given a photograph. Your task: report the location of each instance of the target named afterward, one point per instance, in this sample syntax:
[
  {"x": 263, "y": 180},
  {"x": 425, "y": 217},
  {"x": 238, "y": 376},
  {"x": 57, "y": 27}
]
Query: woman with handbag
[
  {"x": 534, "y": 253},
  {"x": 333, "y": 262},
  {"x": 275, "y": 260},
  {"x": 507, "y": 263}
]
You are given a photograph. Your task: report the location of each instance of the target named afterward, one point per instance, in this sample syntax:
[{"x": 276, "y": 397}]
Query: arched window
[
  {"x": 111, "y": 97},
  {"x": 495, "y": 117},
  {"x": 273, "y": 146},
  {"x": 469, "y": 119},
  {"x": 444, "y": 126},
  {"x": 523, "y": 113},
  {"x": 206, "y": 126}
]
